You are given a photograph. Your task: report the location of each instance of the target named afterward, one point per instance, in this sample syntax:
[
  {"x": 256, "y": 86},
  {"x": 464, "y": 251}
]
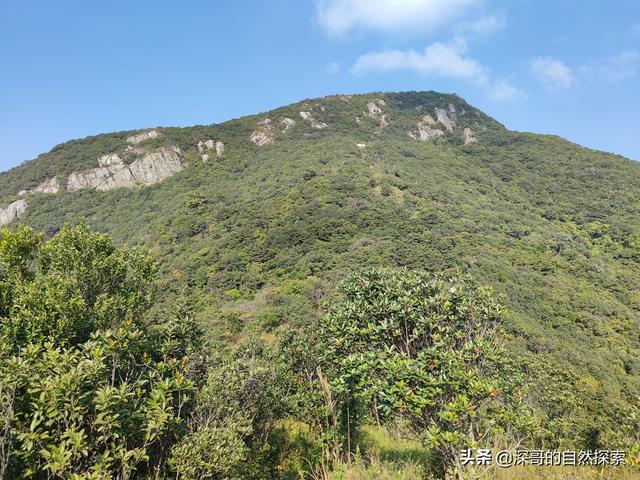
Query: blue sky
[{"x": 69, "y": 69}]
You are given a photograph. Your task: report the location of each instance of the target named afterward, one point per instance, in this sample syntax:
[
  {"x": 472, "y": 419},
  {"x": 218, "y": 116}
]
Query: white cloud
[
  {"x": 553, "y": 73},
  {"x": 487, "y": 24},
  {"x": 621, "y": 67},
  {"x": 440, "y": 59},
  {"x": 340, "y": 16},
  {"x": 503, "y": 90}
]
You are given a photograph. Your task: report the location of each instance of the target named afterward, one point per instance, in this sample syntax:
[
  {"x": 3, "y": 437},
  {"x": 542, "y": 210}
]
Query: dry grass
[
  {"x": 385, "y": 457},
  {"x": 564, "y": 473}
]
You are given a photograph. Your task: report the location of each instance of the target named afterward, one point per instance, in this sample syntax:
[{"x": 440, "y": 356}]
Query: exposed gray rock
[
  {"x": 110, "y": 159},
  {"x": 156, "y": 166},
  {"x": 375, "y": 112},
  {"x": 205, "y": 158},
  {"x": 264, "y": 134},
  {"x": 361, "y": 145},
  {"x": 312, "y": 121},
  {"x": 427, "y": 129},
  {"x": 12, "y": 211},
  {"x": 48, "y": 186},
  {"x": 374, "y": 109},
  {"x": 209, "y": 144},
  {"x": 142, "y": 137},
  {"x": 467, "y": 134},
  {"x": 151, "y": 168},
  {"x": 452, "y": 108},
  {"x": 205, "y": 145},
  {"x": 288, "y": 123},
  {"x": 444, "y": 119},
  {"x": 101, "y": 178}
]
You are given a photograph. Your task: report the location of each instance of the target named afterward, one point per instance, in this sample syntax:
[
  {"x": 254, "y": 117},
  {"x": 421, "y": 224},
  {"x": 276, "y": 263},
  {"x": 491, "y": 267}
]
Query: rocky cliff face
[
  {"x": 307, "y": 116},
  {"x": 143, "y": 137},
  {"x": 49, "y": 186},
  {"x": 151, "y": 168},
  {"x": 13, "y": 211}
]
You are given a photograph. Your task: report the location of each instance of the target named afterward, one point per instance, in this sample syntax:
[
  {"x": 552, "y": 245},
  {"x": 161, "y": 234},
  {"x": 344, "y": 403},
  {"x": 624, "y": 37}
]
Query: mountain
[{"x": 257, "y": 218}]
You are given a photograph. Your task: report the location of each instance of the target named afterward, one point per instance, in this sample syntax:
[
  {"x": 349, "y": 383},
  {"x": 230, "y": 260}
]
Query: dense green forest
[{"x": 212, "y": 337}]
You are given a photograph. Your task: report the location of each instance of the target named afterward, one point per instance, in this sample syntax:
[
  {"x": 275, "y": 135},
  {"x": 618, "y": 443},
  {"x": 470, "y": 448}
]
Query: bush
[
  {"x": 89, "y": 388},
  {"x": 420, "y": 347}
]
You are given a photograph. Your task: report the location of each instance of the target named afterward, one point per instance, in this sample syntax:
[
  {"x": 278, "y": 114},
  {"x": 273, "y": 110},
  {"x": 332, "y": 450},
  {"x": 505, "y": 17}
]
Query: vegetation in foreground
[
  {"x": 95, "y": 384},
  {"x": 256, "y": 239}
]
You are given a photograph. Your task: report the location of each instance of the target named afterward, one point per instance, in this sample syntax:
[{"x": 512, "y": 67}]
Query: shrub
[{"x": 421, "y": 347}]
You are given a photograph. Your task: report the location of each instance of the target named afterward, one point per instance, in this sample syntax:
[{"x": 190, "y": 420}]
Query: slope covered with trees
[{"x": 257, "y": 238}]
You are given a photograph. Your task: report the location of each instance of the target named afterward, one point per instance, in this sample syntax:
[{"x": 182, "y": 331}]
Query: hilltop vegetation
[{"x": 257, "y": 238}]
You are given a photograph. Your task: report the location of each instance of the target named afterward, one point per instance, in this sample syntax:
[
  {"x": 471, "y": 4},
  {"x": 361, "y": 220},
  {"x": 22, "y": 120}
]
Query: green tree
[
  {"x": 423, "y": 348},
  {"x": 237, "y": 408},
  {"x": 65, "y": 289},
  {"x": 89, "y": 387}
]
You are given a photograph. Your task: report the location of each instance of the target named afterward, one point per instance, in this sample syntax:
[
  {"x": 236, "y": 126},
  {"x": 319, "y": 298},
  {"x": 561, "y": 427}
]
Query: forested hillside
[{"x": 254, "y": 221}]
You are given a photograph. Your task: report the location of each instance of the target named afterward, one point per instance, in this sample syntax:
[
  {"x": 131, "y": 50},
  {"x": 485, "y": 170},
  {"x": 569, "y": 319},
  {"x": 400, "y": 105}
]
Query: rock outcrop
[
  {"x": 427, "y": 129},
  {"x": 306, "y": 116},
  {"x": 143, "y": 137},
  {"x": 468, "y": 137},
  {"x": 447, "y": 118},
  {"x": 443, "y": 117},
  {"x": 12, "y": 211},
  {"x": 264, "y": 134},
  {"x": 109, "y": 160},
  {"x": 151, "y": 168},
  {"x": 48, "y": 186},
  {"x": 288, "y": 123},
  {"x": 374, "y": 111},
  {"x": 205, "y": 145}
]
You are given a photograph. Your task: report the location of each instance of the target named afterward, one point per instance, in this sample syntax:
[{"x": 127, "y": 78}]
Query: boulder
[
  {"x": 312, "y": 121},
  {"x": 468, "y": 137},
  {"x": 263, "y": 135},
  {"x": 444, "y": 119},
  {"x": 48, "y": 186},
  {"x": 12, "y": 211},
  {"x": 288, "y": 123},
  {"x": 219, "y": 148},
  {"x": 143, "y": 137},
  {"x": 427, "y": 129}
]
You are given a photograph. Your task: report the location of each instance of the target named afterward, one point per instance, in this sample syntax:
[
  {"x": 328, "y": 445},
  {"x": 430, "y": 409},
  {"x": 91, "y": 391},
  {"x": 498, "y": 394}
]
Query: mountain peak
[{"x": 145, "y": 157}]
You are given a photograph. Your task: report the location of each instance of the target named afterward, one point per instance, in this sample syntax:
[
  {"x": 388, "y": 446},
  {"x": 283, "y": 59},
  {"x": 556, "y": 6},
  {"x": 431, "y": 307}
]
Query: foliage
[
  {"x": 211, "y": 453},
  {"x": 421, "y": 347},
  {"x": 90, "y": 389},
  {"x": 554, "y": 227},
  {"x": 235, "y": 414},
  {"x": 66, "y": 288}
]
